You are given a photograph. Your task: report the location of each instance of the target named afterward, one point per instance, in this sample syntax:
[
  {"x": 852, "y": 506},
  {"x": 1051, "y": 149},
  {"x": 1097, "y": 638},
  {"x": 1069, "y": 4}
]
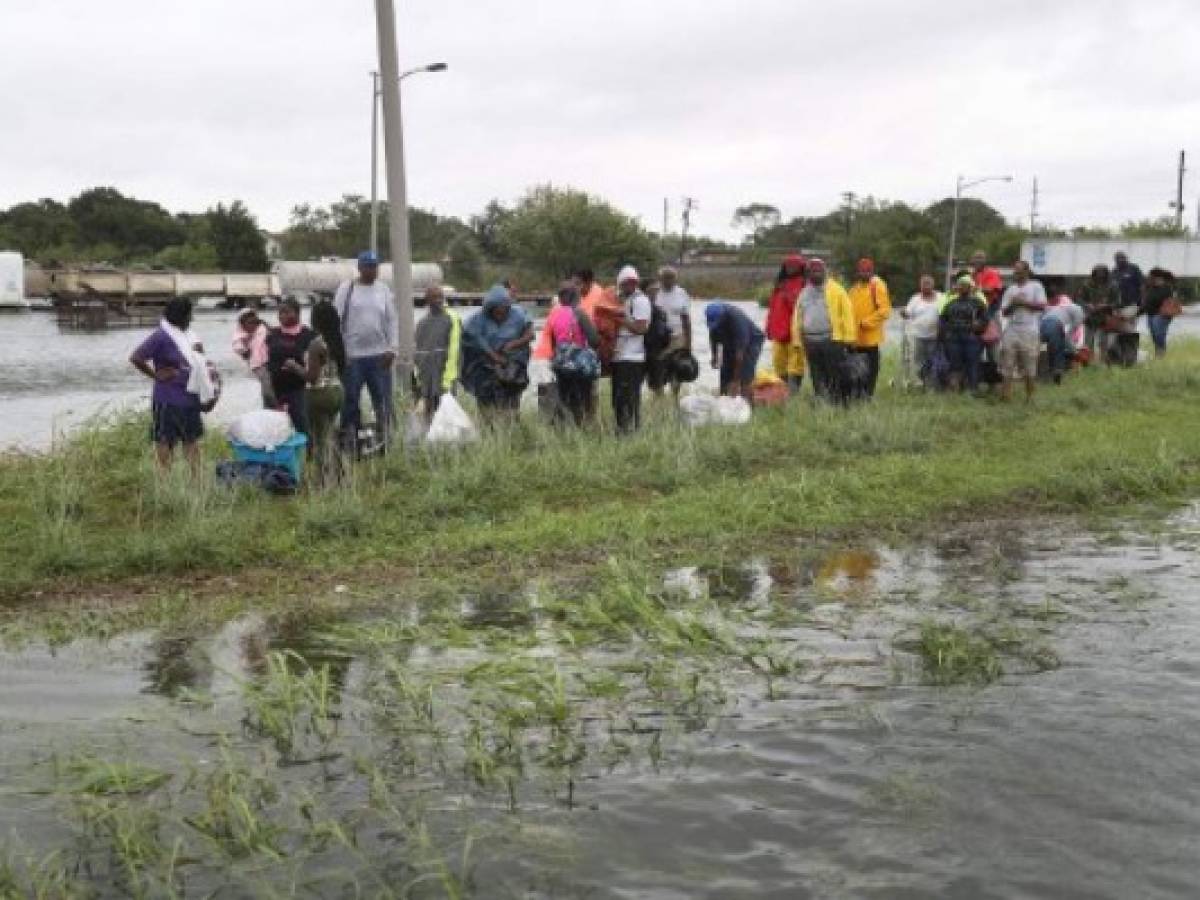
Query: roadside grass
[{"x": 532, "y": 500}]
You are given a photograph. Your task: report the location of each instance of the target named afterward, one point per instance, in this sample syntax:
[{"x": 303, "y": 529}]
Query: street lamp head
[{"x": 437, "y": 67}]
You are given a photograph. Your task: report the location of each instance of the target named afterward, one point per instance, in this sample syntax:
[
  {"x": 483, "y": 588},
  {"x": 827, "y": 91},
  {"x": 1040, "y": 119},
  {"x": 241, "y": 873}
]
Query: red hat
[{"x": 795, "y": 263}]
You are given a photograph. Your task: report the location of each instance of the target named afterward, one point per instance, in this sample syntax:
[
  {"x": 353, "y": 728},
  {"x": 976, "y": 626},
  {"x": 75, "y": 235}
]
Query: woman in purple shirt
[{"x": 176, "y": 412}]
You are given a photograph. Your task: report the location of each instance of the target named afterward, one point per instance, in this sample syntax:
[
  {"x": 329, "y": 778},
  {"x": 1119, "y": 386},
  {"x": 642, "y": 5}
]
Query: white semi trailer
[
  {"x": 322, "y": 278},
  {"x": 12, "y": 281},
  {"x": 1076, "y": 258}
]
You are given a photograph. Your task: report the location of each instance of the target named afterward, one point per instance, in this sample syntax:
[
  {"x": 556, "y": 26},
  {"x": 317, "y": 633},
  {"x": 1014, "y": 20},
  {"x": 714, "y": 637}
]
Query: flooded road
[
  {"x": 52, "y": 380},
  {"x": 1005, "y": 711}
]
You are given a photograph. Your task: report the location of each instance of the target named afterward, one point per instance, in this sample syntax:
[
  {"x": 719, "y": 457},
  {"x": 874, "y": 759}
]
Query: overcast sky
[{"x": 789, "y": 102}]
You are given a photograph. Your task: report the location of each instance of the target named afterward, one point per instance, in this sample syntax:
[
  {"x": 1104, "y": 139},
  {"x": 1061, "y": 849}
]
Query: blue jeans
[
  {"x": 1158, "y": 332},
  {"x": 1055, "y": 337},
  {"x": 376, "y": 375},
  {"x": 963, "y": 353},
  {"x": 749, "y": 367}
]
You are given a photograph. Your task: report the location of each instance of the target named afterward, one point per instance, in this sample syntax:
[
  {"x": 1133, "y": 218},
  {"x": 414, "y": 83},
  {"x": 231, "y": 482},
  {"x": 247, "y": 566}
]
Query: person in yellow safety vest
[
  {"x": 872, "y": 308},
  {"x": 824, "y": 325},
  {"x": 437, "y": 357}
]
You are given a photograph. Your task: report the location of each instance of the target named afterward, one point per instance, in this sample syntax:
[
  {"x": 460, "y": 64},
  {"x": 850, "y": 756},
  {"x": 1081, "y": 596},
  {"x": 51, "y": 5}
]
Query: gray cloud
[{"x": 787, "y": 102}]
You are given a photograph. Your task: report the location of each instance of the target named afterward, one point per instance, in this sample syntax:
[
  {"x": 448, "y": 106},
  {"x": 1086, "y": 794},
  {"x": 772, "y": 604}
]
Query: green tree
[
  {"x": 1162, "y": 227},
  {"x": 38, "y": 227},
  {"x": 756, "y": 218},
  {"x": 486, "y": 227},
  {"x": 553, "y": 231},
  {"x": 236, "y": 239},
  {"x": 105, "y": 216},
  {"x": 976, "y": 219}
]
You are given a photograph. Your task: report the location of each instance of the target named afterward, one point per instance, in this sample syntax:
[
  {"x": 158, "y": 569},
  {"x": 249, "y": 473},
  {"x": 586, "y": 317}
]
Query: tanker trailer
[{"x": 321, "y": 279}]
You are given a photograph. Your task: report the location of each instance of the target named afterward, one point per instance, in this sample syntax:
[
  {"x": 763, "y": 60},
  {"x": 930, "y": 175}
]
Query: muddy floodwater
[{"x": 782, "y": 730}]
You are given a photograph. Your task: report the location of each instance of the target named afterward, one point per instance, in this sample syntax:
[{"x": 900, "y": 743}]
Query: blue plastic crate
[{"x": 289, "y": 454}]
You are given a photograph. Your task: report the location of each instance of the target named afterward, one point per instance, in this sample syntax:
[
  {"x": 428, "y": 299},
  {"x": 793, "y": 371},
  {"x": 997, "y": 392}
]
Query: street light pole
[
  {"x": 374, "y": 162},
  {"x": 393, "y": 133},
  {"x": 375, "y": 92},
  {"x": 961, "y": 186}
]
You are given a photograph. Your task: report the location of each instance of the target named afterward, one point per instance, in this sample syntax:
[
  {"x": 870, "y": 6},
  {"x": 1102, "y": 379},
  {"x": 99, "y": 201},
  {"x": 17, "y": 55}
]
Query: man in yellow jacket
[
  {"x": 824, "y": 325},
  {"x": 872, "y": 308}
]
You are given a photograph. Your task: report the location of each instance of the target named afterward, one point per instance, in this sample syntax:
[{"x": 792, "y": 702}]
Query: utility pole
[
  {"x": 1178, "y": 204},
  {"x": 1033, "y": 208},
  {"x": 689, "y": 204},
  {"x": 666, "y": 221},
  {"x": 374, "y": 243},
  {"x": 851, "y": 198},
  {"x": 397, "y": 185}
]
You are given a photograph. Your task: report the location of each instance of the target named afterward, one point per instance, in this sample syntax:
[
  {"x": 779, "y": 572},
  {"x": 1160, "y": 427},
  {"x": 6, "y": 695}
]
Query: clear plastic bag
[
  {"x": 451, "y": 424},
  {"x": 262, "y": 429}
]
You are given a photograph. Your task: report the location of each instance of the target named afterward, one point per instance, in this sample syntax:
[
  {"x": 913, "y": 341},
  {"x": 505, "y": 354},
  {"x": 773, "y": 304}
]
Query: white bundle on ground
[
  {"x": 732, "y": 411},
  {"x": 451, "y": 424},
  {"x": 263, "y": 429},
  {"x": 704, "y": 409}
]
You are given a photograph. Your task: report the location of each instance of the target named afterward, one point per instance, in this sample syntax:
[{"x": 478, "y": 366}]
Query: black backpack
[{"x": 658, "y": 335}]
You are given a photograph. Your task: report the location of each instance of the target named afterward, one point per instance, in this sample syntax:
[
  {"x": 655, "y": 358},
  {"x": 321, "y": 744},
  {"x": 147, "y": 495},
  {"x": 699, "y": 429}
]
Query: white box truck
[{"x": 12, "y": 281}]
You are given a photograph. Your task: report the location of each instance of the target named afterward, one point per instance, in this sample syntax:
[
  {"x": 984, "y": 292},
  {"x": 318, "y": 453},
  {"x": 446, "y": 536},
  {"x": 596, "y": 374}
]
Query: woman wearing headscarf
[
  {"x": 495, "y": 352},
  {"x": 787, "y": 356}
]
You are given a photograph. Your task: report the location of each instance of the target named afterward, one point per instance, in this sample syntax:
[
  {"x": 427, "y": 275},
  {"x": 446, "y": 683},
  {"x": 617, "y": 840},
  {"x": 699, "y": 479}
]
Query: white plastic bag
[
  {"x": 732, "y": 411},
  {"x": 705, "y": 409},
  {"x": 697, "y": 409},
  {"x": 451, "y": 424},
  {"x": 263, "y": 429}
]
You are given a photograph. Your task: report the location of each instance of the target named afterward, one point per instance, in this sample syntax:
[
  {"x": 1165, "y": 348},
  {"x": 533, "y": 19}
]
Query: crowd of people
[{"x": 981, "y": 334}]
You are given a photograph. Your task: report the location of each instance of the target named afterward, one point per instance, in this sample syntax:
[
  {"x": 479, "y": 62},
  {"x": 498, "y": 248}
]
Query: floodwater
[
  {"x": 52, "y": 380},
  {"x": 1075, "y": 774}
]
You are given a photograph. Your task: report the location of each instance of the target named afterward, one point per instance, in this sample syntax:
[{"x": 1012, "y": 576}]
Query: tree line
[
  {"x": 907, "y": 241},
  {"x": 102, "y": 225},
  {"x": 547, "y": 233}
]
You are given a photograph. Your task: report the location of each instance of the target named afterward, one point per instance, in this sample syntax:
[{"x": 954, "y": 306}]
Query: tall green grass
[{"x": 529, "y": 498}]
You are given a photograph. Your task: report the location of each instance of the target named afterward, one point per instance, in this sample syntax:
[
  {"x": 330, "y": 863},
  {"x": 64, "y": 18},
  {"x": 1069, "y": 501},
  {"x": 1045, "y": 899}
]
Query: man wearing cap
[
  {"x": 736, "y": 346},
  {"x": 872, "y": 308},
  {"x": 675, "y": 303},
  {"x": 371, "y": 334},
  {"x": 987, "y": 279},
  {"x": 629, "y": 355},
  {"x": 824, "y": 325}
]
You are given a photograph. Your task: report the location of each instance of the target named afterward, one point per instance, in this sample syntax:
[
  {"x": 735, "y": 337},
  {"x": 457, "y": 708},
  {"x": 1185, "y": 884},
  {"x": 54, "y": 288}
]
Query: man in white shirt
[
  {"x": 675, "y": 303},
  {"x": 371, "y": 334},
  {"x": 921, "y": 316},
  {"x": 629, "y": 355},
  {"x": 1022, "y": 308}
]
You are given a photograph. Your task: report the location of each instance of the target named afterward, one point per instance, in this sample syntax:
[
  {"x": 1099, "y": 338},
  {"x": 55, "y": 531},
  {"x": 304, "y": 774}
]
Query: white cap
[{"x": 629, "y": 273}]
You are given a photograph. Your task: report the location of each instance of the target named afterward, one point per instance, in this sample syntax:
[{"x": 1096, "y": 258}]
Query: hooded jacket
[
  {"x": 782, "y": 307},
  {"x": 872, "y": 308},
  {"x": 843, "y": 325}
]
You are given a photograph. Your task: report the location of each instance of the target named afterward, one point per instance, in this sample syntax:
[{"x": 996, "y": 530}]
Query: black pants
[
  {"x": 827, "y": 366},
  {"x": 627, "y": 380},
  {"x": 297, "y": 407},
  {"x": 871, "y": 355},
  {"x": 574, "y": 398}
]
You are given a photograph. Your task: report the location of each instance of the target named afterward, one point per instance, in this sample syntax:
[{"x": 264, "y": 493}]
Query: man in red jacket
[{"x": 787, "y": 360}]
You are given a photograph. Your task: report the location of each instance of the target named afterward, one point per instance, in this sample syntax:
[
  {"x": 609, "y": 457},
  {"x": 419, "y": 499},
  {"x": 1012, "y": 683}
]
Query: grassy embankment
[{"x": 91, "y": 520}]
